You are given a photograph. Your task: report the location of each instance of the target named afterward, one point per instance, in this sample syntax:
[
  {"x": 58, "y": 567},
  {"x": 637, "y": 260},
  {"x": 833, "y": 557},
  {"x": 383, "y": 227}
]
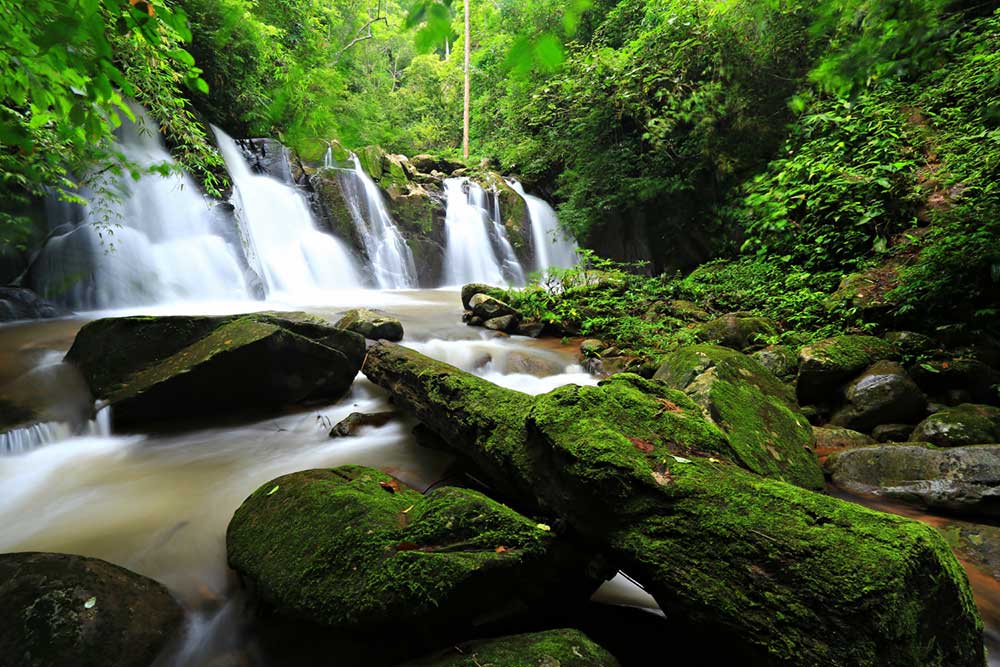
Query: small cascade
[
  {"x": 553, "y": 246},
  {"x": 389, "y": 257},
  {"x": 509, "y": 264},
  {"x": 469, "y": 254},
  {"x": 293, "y": 255},
  {"x": 328, "y": 158},
  {"x": 157, "y": 241},
  {"x": 27, "y": 438}
]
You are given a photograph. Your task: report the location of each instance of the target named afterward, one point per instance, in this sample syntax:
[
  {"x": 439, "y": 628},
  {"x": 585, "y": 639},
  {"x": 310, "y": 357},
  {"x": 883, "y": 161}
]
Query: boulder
[
  {"x": 826, "y": 365},
  {"x": 551, "y": 648},
  {"x": 955, "y": 380},
  {"x": 975, "y": 543},
  {"x": 425, "y": 163},
  {"x": 472, "y": 289},
  {"x": 355, "y": 552},
  {"x": 61, "y": 610},
  {"x": 503, "y": 323},
  {"x": 957, "y": 479},
  {"x": 883, "y": 394},
  {"x": 164, "y": 367},
  {"x": 830, "y": 440},
  {"x": 530, "y": 328},
  {"x": 488, "y": 307},
  {"x": 352, "y": 422},
  {"x": 754, "y": 567},
  {"x": 757, "y": 412},
  {"x": 591, "y": 348},
  {"x": 965, "y": 424},
  {"x": 909, "y": 343},
  {"x": 893, "y": 433},
  {"x": 373, "y": 324},
  {"x": 19, "y": 303},
  {"x": 781, "y": 360},
  {"x": 736, "y": 331}
]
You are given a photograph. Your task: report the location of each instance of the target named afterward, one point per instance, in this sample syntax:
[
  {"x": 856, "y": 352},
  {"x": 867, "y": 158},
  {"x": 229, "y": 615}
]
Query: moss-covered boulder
[
  {"x": 488, "y": 307},
  {"x": 957, "y": 379},
  {"x": 748, "y": 566},
  {"x": 957, "y": 479},
  {"x": 373, "y": 324},
  {"x": 755, "y": 410},
  {"x": 161, "y": 367},
  {"x": 61, "y": 610},
  {"x": 552, "y": 648},
  {"x": 882, "y": 394},
  {"x": 371, "y": 159},
  {"x": 965, "y": 424},
  {"x": 514, "y": 217},
  {"x": 737, "y": 331},
  {"x": 472, "y": 289},
  {"x": 830, "y": 440},
  {"x": 828, "y": 364},
  {"x": 426, "y": 164},
  {"x": 354, "y": 551},
  {"x": 781, "y": 360},
  {"x": 332, "y": 207}
]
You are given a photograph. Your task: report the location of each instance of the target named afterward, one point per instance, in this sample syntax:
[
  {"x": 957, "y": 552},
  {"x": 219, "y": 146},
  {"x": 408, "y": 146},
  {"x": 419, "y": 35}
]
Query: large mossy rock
[
  {"x": 965, "y": 424},
  {"x": 832, "y": 439},
  {"x": 161, "y": 367},
  {"x": 488, "y": 307},
  {"x": 737, "y": 331},
  {"x": 958, "y": 479},
  {"x": 756, "y": 569},
  {"x": 828, "y": 364},
  {"x": 354, "y": 551},
  {"x": 373, "y": 324},
  {"x": 19, "y": 303},
  {"x": 757, "y": 412},
  {"x": 882, "y": 394},
  {"x": 472, "y": 289},
  {"x": 60, "y": 610},
  {"x": 552, "y": 648},
  {"x": 971, "y": 380}
]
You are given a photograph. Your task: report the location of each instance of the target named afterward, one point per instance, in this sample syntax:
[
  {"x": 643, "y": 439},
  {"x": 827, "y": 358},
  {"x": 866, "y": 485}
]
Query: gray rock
[
  {"x": 591, "y": 347},
  {"x": 831, "y": 439},
  {"x": 958, "y": 380},
  {"x": 965, "y": 424},
  {"x": 893, "y": 433},
  {"x": 372, "y": 324},
  {"x": 883, "y": 394},
  {"x": 824, "y": 366},
  {"x": 779, "y": 359},
  {"x": 503, "y": 323},
  {"x": 488, "y": 307},
  {"x": 736, "y": 331},
  {"x": 959, "y": 479},
  {"x": 532, "y": 329},
  {"x": 19, "y": 303}
]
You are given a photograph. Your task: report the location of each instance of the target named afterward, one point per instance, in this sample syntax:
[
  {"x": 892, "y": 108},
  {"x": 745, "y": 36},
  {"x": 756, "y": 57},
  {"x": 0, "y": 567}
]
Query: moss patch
[{"x": 552, "y": 648}]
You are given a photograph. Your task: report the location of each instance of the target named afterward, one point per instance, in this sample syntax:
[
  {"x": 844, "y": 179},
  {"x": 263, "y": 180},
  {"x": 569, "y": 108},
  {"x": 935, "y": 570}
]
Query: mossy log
[{"x": 775, "y": 574}]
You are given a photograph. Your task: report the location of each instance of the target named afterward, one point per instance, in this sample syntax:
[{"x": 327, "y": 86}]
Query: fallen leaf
[
  {"x": 642, "y": 445},
  {"x": 681, "y": 459},
  {"x": 271, "y": 492},
  {"x": 501, "y": 550},
  {"x": 391, "y": 486},
  {"x": 89, "y": 604},
  {"x": 662, "y": 478},
  {"x": 408, "y": 509},
  {"x": 406, "y": 546},
  {"x": 228, "y": 342},
  {"x": 669, "y": 406},
  {"x": 542, "y": 526}
]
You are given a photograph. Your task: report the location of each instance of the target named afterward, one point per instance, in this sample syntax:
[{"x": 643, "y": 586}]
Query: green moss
[
  {"x": 965, "y": 424},
  {"x": 371, "y": 159},
  {"x": 825, "y": 365},
  {"x": 552, "y": 648}
]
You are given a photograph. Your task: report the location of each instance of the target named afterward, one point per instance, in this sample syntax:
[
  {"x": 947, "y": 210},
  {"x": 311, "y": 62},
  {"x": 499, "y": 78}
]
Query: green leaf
[
  {"x": 272, "y": 491},
  {"x": 89, "y": 604}
]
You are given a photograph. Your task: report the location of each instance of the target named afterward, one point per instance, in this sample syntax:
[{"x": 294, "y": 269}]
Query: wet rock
[
  {"x": 373, "y": 324},
  {"x": 826, "y": 365},
  {"x": 552, "y": 648},
  {"x": 151, "y": 368},
  {"x": 883, "y": 394},
  {"x": 472, "y": 289},
  {"x": 488, "y": 307},
  {"x": 352, "y": 422},
  {"x": 909, "y": 343},
  {"x": 473, "y": 320},
  {"x": 736, "y": 331},
  {"x": 958, "y": 380},
  {"x": 14, "y": 415},
  {"x": 19, "y": 303},
  {"x": 830, "y": 440},
  {"x": 966, "y": 424},
  {"x": 893, "y": 433},
  {"x": 356, "y": 552},
  {"x": 426, "y": 164},
  {"x": 958, "y": 479},
  {"x": 530, "y": 328},
  {"x": 503, "y": 323},
  {"x": 781, "y": 360},
  {"x": 60, "y": 610},
  {"x": 652, "y": 485},
  {"x": 976, "y": 543},
  {"x": 519, "y": 362},
  {"x": 768, "y": 434},
  {"x": 592, "y": 347}
]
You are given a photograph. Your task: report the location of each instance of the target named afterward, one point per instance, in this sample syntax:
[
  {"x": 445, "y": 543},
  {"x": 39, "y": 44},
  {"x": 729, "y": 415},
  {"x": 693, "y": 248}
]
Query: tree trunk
[
  {"x": 468, "y": 97},
  {"x": 759, "y": 569}
]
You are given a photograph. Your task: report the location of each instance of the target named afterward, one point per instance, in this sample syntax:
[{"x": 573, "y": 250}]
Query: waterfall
[
  {"x": 389, "y": 257},
  {"x": 553, "y": 246},
  {"x": 294, "y": 256},
  {"x": 26, "y": 438},
  {"x": 158, "y": 240},
  {"x": 469, "y": 253},
  {"x": 509, "y": 264},
  {"x": 328, "y": 158}
]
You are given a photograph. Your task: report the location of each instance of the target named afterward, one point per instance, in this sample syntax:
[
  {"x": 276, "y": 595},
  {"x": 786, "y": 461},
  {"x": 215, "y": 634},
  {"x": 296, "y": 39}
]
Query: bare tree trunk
[{"x": 465, "y": 120}]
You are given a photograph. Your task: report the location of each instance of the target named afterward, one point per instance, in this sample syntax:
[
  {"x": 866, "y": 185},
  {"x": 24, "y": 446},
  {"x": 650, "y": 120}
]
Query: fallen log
[{"x": 776, "y": 574}]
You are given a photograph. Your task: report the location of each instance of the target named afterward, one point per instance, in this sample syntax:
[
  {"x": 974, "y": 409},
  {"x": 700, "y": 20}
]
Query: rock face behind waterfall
[
  {"x": 151, "y": 368},
  {"x": 765, "y": 573},
  {"x": 60, "y": 610}
]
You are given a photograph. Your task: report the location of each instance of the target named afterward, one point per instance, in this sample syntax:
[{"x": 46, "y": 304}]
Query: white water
[
  {"x": 553, "y": 246},
  {"x": 389, "y": 258},
  {"x": 509, "y": 264},
  {"x": 295, "y": 257},
  {"x": 159, "y": 241},
  {"x": 469, "y": 255}
]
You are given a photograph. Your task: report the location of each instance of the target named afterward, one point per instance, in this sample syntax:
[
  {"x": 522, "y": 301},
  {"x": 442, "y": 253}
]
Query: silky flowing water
[{"x": 158, "y": 503}]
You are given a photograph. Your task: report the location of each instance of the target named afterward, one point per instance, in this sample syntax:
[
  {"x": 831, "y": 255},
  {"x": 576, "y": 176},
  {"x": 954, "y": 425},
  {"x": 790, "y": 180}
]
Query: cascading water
[
  {"x": 293, "y": 255},
  {"x": 509, "y": 263},
  {"x": 157, "y": 241},
  {"x": 553, "y": 247},
  {"x": 469, "y": 255},
  {"x": 389, "y": 257}
]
